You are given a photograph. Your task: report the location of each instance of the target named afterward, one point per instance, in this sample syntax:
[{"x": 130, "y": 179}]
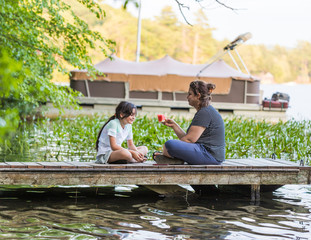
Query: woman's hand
[
  {"x": 169, "y": 122},
  {"x": 177, "y": 129},
  {"x": 139, "y": 157}
]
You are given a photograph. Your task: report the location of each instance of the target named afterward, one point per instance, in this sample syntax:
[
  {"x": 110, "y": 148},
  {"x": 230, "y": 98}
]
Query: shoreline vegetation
[{"x": 73, "y": 139}]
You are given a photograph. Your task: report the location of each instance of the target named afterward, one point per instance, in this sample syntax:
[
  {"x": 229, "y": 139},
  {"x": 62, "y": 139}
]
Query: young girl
[{"x": 114, "y": 132}]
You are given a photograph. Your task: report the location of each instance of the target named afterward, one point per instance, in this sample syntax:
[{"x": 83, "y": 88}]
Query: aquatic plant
[{"x": 73, "y": 139}]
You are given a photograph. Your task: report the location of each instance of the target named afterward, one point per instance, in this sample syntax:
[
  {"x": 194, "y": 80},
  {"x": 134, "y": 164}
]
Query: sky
[{"x": 271, "y": 22}]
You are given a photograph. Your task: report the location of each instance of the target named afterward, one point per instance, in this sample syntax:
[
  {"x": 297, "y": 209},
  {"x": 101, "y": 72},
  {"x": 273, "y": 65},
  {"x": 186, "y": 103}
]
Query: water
[
  {"x": 300, "y": 97},
  {"x": 107, "y": 214}
]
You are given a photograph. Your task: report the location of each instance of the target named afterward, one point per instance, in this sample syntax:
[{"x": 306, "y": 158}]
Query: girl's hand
[{"x": 139, "y": 157}]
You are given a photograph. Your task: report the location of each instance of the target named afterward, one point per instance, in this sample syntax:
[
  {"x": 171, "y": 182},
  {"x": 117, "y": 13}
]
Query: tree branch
[
  {"x": 180, "y": 6},
  {"x": 221, "y": 3}
]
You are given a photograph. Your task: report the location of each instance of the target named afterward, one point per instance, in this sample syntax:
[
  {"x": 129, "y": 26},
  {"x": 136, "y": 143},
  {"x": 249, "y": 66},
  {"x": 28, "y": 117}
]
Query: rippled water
[{"x": 104, "y": 213}]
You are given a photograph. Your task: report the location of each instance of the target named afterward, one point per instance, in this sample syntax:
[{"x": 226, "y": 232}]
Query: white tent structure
[{"x": 165, "y": 74}]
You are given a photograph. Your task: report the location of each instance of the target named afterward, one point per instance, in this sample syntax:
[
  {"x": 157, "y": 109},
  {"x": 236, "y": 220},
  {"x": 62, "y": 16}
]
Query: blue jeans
[{"x": 192, "y": 153}]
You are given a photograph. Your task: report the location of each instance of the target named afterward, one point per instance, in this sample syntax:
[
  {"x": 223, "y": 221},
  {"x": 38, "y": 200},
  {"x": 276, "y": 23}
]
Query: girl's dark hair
[
  {"x": 205, "y": 90},
  {"x": 124, "y": 108}
]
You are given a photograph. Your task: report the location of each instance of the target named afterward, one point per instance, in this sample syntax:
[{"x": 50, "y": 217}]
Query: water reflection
[{"x": 101, "y": 213}]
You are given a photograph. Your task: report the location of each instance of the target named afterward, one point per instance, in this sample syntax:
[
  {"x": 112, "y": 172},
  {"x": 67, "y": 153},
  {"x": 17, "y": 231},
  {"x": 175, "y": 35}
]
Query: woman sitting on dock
[
  {"x": 117, "y": 129},
  {"x": 204, "y": 141}
]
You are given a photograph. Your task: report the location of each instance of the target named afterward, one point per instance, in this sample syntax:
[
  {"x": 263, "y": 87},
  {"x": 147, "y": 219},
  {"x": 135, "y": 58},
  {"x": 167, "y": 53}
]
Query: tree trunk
[{"x": 195, "y": 48}]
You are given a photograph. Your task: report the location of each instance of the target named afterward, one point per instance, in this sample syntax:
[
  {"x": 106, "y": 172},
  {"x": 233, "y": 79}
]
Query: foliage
[
  {"x": 250, "y": 138},
  {"x": 74, "y": 139},
  {"x": 10, "y": 80},
  {"x": 42, "y": 35}
]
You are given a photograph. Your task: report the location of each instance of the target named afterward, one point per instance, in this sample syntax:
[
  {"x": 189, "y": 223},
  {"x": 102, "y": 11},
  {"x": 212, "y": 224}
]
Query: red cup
[{"x": 161, "y": 117}]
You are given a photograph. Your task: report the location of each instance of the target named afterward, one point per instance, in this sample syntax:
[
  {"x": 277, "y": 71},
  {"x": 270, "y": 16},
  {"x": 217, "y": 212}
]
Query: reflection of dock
[{"x": 254, "y": 172}]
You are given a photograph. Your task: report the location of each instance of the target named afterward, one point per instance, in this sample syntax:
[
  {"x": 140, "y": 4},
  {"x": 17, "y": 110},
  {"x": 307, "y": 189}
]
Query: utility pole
[{"x": 138, "y": 33}]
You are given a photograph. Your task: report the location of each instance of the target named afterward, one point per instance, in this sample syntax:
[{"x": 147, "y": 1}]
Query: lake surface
[{"x": 117, "y": 214}]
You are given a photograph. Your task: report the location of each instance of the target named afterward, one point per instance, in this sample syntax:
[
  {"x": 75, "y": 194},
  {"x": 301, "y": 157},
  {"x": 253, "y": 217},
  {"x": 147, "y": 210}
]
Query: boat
[{"x": 278, "y": 100}]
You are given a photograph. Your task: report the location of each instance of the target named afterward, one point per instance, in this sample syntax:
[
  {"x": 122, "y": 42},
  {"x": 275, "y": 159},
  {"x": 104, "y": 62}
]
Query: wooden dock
[{"x": 253, "y": 171}]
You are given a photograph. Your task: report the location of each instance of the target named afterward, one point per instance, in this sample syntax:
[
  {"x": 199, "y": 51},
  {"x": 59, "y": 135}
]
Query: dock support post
[{"x": 255, "y": 192}]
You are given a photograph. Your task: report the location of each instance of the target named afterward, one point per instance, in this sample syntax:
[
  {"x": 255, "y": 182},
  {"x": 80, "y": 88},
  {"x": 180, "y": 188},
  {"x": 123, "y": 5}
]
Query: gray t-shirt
[{"x": 213, "y": 137}]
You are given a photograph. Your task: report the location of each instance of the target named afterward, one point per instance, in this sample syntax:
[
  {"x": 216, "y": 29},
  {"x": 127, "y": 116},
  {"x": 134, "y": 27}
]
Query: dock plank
[
  {"x": 237, "y": 162},
  {"x": 4, "y": 165},
  {"x": 228, "y": 163},
  {"x": 34, "y": 165},
  {"x": 65, "y": 165},
  {"x": 233, "y": 171},
  {"x": 81, "y": 164},
  {"x": 16, "y": 164},
  {"x": 256, "y": 162},
  {"x": 283, "y": 162},
  {"x": 50, "y": 164}
]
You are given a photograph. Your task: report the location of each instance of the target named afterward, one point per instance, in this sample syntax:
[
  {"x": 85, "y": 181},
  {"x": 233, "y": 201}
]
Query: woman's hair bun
[{"x": 210, "y": 87}]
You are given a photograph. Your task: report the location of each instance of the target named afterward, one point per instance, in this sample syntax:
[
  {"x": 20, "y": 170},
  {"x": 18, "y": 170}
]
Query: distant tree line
[{"x": 166, "y": 34}]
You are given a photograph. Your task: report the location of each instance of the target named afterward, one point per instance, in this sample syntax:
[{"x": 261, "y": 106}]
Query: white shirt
[{"x": 114, "y": 129}]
